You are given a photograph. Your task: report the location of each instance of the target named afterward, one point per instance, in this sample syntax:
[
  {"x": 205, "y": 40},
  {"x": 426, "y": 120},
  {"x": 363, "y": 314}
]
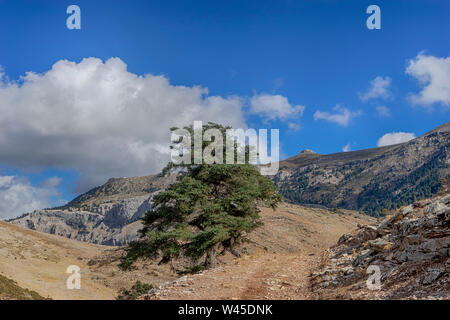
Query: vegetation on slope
[{"x": 9, "y": 290}]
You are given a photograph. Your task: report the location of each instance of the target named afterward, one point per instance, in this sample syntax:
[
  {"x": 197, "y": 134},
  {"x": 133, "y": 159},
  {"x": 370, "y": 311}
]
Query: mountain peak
[{"x": 308, "y": 151}]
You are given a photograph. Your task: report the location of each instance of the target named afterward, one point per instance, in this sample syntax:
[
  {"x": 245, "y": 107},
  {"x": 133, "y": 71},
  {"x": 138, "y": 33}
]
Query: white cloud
[
  {"x": 394, "y": 138},
  {"x": 379, "y": 88},
  {"x": 433, "y": 74},
  {"x": 100, "y": 119},
  {"x": 383, "y": 111},
  {"x": 346, "y": 148},
  {"x": 18, "y": 196},
  {"x": 272, "y": 107},
  {"x": 52, "y": 182},
  {"x": 341, "y": 117},
  {"x": 294, "y": 126}
]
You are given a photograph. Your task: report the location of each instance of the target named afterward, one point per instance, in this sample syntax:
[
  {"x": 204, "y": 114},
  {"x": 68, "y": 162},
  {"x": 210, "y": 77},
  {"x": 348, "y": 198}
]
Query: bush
[{"x": 138, "y": 289}]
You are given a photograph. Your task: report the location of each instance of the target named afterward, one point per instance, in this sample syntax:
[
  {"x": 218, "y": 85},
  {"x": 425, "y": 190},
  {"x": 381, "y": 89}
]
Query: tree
[{"x": 210, "y": 208}]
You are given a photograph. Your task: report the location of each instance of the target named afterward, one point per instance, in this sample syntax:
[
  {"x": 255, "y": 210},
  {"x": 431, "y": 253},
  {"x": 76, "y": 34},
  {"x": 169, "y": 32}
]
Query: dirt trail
[
  {"x": 282, "y": 254},
  {"x": 259, "y": 276}
]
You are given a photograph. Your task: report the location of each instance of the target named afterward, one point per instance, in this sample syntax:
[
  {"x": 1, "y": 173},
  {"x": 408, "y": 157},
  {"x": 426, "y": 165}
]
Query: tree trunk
[{"x": 210, "y": 261}]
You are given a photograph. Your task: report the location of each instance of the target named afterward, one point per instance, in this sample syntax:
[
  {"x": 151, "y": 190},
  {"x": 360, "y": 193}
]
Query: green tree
[{"x": 211, "y": 207}]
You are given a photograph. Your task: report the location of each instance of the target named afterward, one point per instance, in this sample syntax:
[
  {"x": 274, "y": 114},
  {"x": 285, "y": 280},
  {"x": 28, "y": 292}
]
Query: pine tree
[{"x": 211, "y": 207}]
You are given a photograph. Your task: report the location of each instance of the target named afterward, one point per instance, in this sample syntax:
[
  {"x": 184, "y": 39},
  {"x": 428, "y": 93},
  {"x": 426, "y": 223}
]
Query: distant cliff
[{"x": 107, "y": 215}]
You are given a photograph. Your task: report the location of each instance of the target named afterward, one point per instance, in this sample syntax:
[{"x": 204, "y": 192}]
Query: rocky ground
[{"x": 411, "y": 248}]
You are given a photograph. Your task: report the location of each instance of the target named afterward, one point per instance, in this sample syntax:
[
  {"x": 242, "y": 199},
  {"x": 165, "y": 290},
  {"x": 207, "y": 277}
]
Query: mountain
[
  {"x": 108, "y": 214},
  {"x": 368, "y": 180},
  {"x": 372, "y": 179}
]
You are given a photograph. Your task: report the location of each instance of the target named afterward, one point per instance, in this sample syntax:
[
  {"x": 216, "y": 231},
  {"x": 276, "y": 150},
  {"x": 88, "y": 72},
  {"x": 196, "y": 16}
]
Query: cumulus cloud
[
  {"x": 18, "y": 196},
  {"x": 346, "y": 148},
  {"x": 433, "y": 75},
  {"x": 100, "y": 119},
  {"x": 342, "y": 116},
  {"x": 272, "y": 107},
  {"x": 383, "y": 111},
  {"x": 394, "y": 138},
  {"x": 379, "y": 88}
]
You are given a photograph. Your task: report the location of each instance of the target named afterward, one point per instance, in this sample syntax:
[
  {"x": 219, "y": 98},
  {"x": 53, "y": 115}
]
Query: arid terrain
[
  {"x": 275, "y": 263},
  {"x": 38, "y": 262}
]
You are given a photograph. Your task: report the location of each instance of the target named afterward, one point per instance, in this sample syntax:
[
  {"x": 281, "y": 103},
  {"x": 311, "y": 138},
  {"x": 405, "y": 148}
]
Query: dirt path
[
  {"x": 259, "y": 276},
  {"x": 282, "y": 254}
]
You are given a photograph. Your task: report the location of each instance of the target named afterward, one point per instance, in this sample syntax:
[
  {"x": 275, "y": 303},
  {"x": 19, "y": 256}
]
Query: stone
[
  {"x": 432, "y": 275},
  {"x": 380, "y": 244},
  {"x": 446, "y": 199},
  {"x": 435, "y": 208},
  {"x": 407, "y": 210}
]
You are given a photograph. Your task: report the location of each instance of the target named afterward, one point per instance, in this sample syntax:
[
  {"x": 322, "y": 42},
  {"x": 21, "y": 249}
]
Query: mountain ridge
[{"x": 370, "y": 179}]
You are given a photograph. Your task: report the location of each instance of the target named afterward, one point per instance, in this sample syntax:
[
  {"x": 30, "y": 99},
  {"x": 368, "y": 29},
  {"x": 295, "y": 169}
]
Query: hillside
[
  {"x": 288, "y": 244},
  {"x": 369, "y": 180},
  {"x": 38, "y": 262},
  {"x": 410, "y": 248},
  {"x": 9, "y": 290}
]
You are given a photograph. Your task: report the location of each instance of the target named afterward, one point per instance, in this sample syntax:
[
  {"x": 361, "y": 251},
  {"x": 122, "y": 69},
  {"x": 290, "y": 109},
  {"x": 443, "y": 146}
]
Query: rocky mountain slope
[
  {"x": 105, "y": 215},
  {"x": 410, "y": 248},
  {"x": 369, "y": 180}
]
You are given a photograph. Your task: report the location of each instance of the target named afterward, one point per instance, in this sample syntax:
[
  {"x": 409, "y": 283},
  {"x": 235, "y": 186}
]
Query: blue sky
[{"x": 316, "y": 54}]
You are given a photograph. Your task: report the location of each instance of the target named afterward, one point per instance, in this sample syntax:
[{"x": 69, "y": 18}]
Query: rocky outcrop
[
  {"x": 117, "y": 226},
  {"x": 410, "y": 249}
]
